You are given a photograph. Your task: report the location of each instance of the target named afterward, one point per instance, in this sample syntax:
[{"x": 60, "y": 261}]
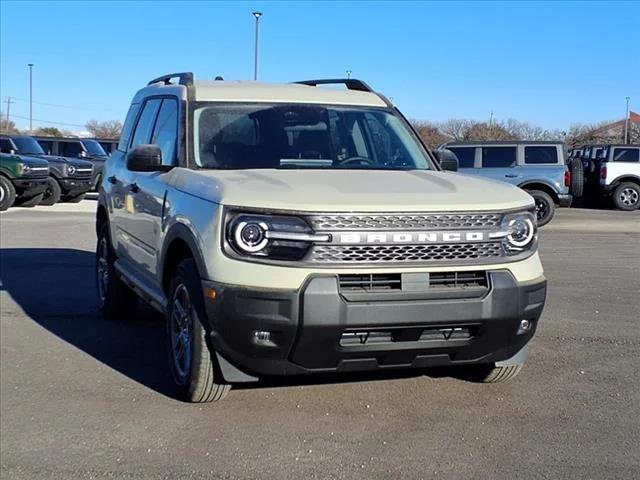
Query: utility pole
[
  {"x": 9, "y": 102},
  {"x": 30, "y": 97},
  {"x": 255, "y": 58},
  {"x": 491, "y": 119},
  {"x": 348, "y": 73},
  {"x": 626, "y": 122}
]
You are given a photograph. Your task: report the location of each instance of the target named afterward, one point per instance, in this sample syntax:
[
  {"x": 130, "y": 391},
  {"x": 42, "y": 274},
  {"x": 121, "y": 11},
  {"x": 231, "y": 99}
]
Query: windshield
[
  {"x": 94, "y": 148},
  {"x": 303, "y": 136},
  {"x": 28, "y": 145}
]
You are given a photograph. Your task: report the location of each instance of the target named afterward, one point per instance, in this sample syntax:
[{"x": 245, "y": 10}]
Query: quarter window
[
  {"x": 69, "y": 149},
  {"x": 165, "y": 131},
  {"x": 145, "y": 123},
  {"x": 626, "y": 155},
  {"x": 539, "y": 155},
  {"x": 466, "y": 156},
  {"x": 498, "y": 157}
]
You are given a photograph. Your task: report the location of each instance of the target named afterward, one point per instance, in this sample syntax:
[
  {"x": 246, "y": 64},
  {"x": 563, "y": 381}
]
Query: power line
[
  {"x": 49, "y": 121},
  {"x": 62, "y": 106}
]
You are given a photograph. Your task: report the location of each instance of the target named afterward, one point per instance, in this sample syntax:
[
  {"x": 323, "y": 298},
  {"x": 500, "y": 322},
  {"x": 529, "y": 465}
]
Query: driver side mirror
[
  {"x": 82, "y": 154},
  {"x": 447, "y": 160},
  {"x": 146, "y": 158}
]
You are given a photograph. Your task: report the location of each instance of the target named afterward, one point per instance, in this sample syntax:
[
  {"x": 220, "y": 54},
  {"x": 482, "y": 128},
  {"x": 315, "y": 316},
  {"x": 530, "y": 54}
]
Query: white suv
[
  {"x": 620, "y": 175},
  {"x": 292, "y": 229}
]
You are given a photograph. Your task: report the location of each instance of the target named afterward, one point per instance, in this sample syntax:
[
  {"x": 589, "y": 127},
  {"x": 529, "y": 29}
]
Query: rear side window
[
  {"x": 498, "y": 157},
  {"x": 145, "y": 124},
  {"x": 626, "y": 154},
  {"x": 537, "y": 155},
  {"x": 125, "y": 136},
  {"x": 5, "y": 145},
  {"x": 47, "y": 146},
  {"x": 165, "y": 131},
  {"x": 69, "y": 149},
  {"x": 466, "y": 156}
]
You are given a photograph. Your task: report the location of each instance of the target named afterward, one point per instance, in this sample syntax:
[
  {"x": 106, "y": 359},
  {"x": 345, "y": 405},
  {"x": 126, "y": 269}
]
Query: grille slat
[
  {"x": 361, "y": 254},
  {"x": 336, "y": 222}
]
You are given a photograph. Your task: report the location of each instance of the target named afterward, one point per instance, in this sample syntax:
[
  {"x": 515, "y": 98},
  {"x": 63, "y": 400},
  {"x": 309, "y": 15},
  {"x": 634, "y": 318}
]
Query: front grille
[
  {"x": 333, "y": 222},
  {"x": 457, "y": 279},
  {"x": 370, "y": 282},
  {"x": 83, "y": 173},
  {"x": 361, "y": 254},
  {"x": 354, "y": 338},
  {"x": 380, "y": 282}
]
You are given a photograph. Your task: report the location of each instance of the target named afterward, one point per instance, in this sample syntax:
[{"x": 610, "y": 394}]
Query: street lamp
[
  {"x": 30, "y": 97},
  {"x": 626, "y": 122},
  {"x": 255, "y": 59}
]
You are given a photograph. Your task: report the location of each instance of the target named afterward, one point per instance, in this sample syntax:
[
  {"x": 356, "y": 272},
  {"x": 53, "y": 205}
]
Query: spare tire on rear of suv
[{"x": 577, "y": 178}]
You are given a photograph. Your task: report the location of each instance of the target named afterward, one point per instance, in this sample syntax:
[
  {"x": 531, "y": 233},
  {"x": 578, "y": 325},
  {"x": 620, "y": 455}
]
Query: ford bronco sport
[
  {"x": 537, "y": 167},
  {"x": 292, "y": 229}
]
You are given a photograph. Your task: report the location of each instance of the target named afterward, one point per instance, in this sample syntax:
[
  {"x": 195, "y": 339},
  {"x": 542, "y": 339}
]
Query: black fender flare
[
  {"x": 550, "y": 186},
  {"x": 624, "y": 177},
  {"x": 182, "y": 232}
]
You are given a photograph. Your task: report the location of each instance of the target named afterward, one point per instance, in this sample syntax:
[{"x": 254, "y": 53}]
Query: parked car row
[
  {"x": 537, "y": 167},
  {"x": 29, "y": 176},
  {"x": 611, "y": 172}
]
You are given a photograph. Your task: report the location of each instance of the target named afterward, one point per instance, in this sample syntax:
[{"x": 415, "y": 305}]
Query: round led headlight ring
[
  {"x": 521, "y": 232},
  {"x": 250, "y": 237}
]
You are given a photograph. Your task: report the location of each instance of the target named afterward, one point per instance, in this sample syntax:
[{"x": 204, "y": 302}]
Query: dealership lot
[{"x": 83, "y": 397}]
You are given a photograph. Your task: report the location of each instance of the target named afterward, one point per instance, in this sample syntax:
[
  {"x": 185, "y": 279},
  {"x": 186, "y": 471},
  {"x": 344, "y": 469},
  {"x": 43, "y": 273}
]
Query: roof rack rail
[
  {"x": 350, "y": 83},
  {"x": 184, "y": 78}
]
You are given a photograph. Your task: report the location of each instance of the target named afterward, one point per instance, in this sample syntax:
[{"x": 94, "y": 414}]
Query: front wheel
[
  {"x": 192, "y": 363},
  {"x": 7, "y": 194},
  {"x": 53, "y": 192},
  {"x": 74, "y": 199},
  {"x": 545, "y": 207},
  {"x": 30, "y": 202},
  {"x": 626, "y": 196}
]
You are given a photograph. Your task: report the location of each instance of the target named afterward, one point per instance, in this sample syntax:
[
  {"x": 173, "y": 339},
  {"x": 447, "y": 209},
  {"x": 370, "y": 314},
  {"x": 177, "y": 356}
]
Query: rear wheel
[
  {"x": 53, "y": 192},
  {"x": 7, "y": 194},
  {"x": 545, "y": 206},
  {"x": 30, "y": 202},
  {"x": 114, "y": 297},
  {"x": 626, "y": 196},
  {"x": 193, "y": 367}
]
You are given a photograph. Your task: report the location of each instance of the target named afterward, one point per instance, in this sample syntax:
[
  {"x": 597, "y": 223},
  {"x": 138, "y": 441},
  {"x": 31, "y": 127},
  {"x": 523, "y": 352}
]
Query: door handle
[
  {"x": 134, "y": 188},
  {"x": 112, "y": 179},
  {"x": 509, "y": 175}
]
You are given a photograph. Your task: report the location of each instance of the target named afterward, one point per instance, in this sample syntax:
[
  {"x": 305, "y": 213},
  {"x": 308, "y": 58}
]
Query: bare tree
[
  {"x": 7, "y": 126},
  {"x": 456, "y": 128},
  {"x": 430, "y": 133},
  {"x": 49, "y": 132},
  {"x": 108, "y": 129}
]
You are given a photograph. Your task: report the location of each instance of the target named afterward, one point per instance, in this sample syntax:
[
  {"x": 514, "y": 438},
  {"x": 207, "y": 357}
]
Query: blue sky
[{"x": 548, "y": 63}]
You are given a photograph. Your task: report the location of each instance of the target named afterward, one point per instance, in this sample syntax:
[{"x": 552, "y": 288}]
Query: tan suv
[{"x": 293, "y": 229}]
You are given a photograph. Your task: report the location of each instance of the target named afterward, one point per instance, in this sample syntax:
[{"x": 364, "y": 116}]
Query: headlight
[
  {"x": 26, "y": 168},
  {"x": 519, "y": 232},
  {"x": 271, "y": 237},
  {"x": 71, "y": 170}
]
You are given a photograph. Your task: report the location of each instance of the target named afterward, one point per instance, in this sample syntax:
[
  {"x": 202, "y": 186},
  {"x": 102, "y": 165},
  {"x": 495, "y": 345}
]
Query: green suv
[{"x": 23, "y": 180}]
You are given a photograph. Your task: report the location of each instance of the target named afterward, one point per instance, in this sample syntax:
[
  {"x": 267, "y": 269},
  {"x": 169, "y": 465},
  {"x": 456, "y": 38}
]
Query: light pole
[
  {"x": 30, "y": 97},
  {"x": 348, "y": 73},
  {"x": 255, "y": 59},
  {"x": 626, "y": 122}
]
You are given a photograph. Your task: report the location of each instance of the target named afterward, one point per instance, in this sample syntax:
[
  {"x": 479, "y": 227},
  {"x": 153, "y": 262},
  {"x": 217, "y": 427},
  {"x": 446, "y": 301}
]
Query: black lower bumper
[
  {"x": 565, "y": 200},
  {"x": 30, "y": 187},
  {"x": 75, "y": 186},
  {"x": 321, "y": 329}
]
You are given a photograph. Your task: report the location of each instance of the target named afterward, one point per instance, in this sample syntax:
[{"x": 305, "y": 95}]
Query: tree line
[{"x": 109, "y": 129}]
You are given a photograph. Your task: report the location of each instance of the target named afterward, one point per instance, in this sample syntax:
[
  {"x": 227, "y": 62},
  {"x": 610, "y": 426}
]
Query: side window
[
  {"x": 47, "y": 146},
  {"x": 537, "y": 155},
  {"x": 5, "y": 145},
  {"x": 498, "y": 157},
  {"x": 466, "y": 156},
  {"x": 69, "y": 149},
  {"x": 125, "y": 136},
  {"x": 147, "y": 119},
  {"x": 166, "y": 129},
  {"x": 626, "y": 155}
]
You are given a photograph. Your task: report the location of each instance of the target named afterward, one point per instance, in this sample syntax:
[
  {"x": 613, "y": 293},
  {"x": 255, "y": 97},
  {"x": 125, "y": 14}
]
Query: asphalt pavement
[{"x": 84, "y": 397}]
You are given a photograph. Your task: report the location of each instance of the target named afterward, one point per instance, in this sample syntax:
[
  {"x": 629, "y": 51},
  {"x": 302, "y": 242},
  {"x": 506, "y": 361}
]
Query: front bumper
[
  {"x": 565, "y": 200},
  {"x": 75, "y": 186},
  {"x": 30, "y": 187},
  {"x": 323, "y": 329}
]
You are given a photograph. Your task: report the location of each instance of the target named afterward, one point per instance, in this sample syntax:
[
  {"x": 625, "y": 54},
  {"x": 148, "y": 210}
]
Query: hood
[
  {"x": 33, "y": 160},
  {"x": 351, "y": 190},
  {"x": 71, "y": 161}
]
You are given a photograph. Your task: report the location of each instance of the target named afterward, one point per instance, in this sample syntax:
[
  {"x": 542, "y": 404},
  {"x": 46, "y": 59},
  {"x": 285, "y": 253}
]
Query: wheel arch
[
  {"x": 625, "y": 178},
  {"x": 179, "y": 244},
  {"x": 543, "y": 186}
]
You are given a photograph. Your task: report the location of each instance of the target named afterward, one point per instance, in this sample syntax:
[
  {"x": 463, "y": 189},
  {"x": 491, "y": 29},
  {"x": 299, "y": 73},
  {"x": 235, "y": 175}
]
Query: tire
[
  {"x": 53, "y": 192},
  {"x": 192, "y": 362},
  {"x": 7, "y": 194},
  {"x": 96, "y": 183},
  {"x": 545, "y": 206},
  {"x": 500, "y": 374},
  {"x": 577, "y": 178},
  {"x": 115, "y": 299},
  {"x": 30, "y": 202},
  {"x": 74, "y": 199},
  {"x": 626, "y": 196}
]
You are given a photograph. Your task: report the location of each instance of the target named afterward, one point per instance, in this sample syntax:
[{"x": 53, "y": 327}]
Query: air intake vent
[
  {"x": 457, "y": 279},
  {"x": 370, "y": 282}
]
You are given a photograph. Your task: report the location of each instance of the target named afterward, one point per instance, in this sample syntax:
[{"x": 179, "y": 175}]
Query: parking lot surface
[{"x": 83, "y": 397}]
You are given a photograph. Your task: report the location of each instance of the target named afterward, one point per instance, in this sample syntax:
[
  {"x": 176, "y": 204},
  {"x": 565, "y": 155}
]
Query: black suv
[
  {"x": 69, "y": 179},
  {"x": 83, "y": 148}
]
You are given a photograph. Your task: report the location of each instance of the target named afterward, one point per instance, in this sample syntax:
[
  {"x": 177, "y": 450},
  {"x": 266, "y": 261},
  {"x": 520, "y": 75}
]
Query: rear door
[
  {"x": 500, "y": 163},
  {"x": 467, "y": 159},
  {"x": 625, "y": 160}
]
